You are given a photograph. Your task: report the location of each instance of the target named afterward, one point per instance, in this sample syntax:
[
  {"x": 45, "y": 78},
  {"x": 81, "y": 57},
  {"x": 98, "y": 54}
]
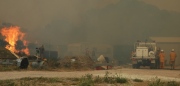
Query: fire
[{"x": 12, "y": 35}]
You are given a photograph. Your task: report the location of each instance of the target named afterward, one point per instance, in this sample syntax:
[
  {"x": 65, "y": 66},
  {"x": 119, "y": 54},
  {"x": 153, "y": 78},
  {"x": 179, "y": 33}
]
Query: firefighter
[
  {"x": 161, "y": 58},
  {"x": 157, "y": 58},
  {"x": 41, "y": 51},
  {"x": 172, "y": 58},
  {"x": 37, "y": 52}
]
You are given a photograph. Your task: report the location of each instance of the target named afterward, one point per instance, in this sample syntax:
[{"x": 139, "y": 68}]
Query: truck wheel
[
  {"x": 134, "y": 66},
  {"x": 152, "y": 66},
  {"x": 138, "y": 65}
]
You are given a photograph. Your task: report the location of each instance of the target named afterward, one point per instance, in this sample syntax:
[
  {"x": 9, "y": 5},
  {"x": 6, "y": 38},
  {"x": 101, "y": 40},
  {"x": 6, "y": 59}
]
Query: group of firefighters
[{"x": 160, "y": 59}]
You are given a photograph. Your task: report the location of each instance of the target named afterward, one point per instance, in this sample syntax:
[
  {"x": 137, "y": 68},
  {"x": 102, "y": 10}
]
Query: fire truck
[{"x": 144, "y": 54}]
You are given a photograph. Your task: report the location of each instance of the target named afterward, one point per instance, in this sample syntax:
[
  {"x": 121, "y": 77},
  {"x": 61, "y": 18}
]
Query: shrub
[
  {"x": 121, "y": 80},
  {"x": 7, "y": 83},
  {"x": 24, "y": 83},
  {"x": 157, "y": 82},
  {"x": 54, "y": 80},
  {"x": 86, "y": 80},
  {"x": 107, "y": 78},
  {"x": 172, "y": 83},
  {"x": 137, "y": 80},
  {"x": 73, "y": 79},
  {"x": 98, "y": 79},
  {"x": 114, "y": 79}
]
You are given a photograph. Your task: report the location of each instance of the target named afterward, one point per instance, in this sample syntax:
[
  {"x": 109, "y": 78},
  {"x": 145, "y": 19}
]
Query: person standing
[
  {"x": 157, "y": 64},
  {"x": 161, "y": 58},
  {"x": 172, "y": 58},
  {"x": 41, "y": 51},
  {"x": 37, "y": 52}
]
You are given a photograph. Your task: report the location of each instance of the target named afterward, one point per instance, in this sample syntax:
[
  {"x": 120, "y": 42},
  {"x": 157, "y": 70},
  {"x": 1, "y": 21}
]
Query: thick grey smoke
[
  {"x": 116, "y": 22},
  {"x": 102, "y": 21},
  {"x": 120, "y": 23}
]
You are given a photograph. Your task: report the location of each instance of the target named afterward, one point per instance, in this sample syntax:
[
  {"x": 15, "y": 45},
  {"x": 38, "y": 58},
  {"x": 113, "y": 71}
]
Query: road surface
[{"x": 144, "y": 74}]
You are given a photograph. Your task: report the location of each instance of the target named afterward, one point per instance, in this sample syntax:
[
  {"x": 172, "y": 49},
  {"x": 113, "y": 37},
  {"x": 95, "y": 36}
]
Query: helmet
[{"x": 172, "y": 50}]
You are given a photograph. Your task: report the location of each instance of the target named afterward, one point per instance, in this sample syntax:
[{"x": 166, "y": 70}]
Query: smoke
[
  {"x": 120, "y": 23},
  {"x": 102, "y": 21},
  {"x": 165, "y": 4},
  {"x": 116, "y": 22}
]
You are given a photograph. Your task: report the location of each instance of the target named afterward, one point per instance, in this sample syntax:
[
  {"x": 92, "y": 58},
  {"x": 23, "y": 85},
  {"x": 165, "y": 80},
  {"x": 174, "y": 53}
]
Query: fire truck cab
[{"x": 144, "y": 54}]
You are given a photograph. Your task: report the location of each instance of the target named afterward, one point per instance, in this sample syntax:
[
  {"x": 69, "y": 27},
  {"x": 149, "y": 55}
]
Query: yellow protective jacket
[
  {"x": 173, "y": 56},
  {"x": 161, "y": 57}
]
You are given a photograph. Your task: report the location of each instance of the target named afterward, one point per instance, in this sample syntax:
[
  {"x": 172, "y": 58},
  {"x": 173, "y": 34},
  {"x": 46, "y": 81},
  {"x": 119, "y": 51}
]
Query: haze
[{"x": 114, "y": 22}]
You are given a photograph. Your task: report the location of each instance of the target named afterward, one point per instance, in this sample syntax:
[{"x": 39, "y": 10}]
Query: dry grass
[
  {"x": 86, "y": 80},
  {"x": 8, "y": 67}
]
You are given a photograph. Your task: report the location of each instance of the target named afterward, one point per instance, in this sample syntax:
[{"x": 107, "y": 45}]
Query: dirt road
[{"x": 145, "y": 74}]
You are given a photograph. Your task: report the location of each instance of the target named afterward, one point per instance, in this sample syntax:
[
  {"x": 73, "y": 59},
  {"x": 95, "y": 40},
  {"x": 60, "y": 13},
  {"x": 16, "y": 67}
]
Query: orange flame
[{"x": 12, "y": 35}]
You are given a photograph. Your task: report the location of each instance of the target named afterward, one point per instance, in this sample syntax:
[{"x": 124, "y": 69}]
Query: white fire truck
[{"x": 144, "y": 54}]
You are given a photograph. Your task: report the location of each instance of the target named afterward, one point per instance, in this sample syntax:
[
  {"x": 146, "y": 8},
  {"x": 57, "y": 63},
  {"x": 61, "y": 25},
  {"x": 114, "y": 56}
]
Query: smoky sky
[
  {"x": 170, "y": 5},
  {"x": 92, "y": 21}
]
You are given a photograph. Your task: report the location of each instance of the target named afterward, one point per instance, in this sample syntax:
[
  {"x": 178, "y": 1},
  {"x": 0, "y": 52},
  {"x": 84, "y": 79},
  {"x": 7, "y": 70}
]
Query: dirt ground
[{"x": 143, "y": 73}]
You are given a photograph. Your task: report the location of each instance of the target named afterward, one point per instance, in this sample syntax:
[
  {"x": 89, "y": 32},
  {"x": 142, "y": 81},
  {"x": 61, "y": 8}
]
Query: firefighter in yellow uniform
[
  {"x": 172, "y": 58},
  {"x": 161, "y": 58}
]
